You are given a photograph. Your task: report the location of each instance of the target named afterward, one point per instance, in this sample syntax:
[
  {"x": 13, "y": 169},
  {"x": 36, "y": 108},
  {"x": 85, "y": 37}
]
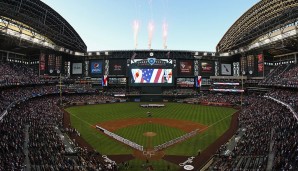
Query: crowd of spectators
[
  {"x": 273, "y": 76},
  {"x": 12, "y": 141},
  {"x": 17, "y": 74},
  {"x": 180, "y": 91},
  {"x": 89, "y": 99},
  {"x": 283, "y": 76},
  {"x": 36, "y": 107},
  {"x": 134, "y": 91},
  {"x": 224, "y": 98},
  {"x": 8, "y": 96},
  {"x": 116, "y": 90},
  {"x": 265, "y": 122},
  {"x": 46, "y": 150},
  {"x": 288, "y": 96}
]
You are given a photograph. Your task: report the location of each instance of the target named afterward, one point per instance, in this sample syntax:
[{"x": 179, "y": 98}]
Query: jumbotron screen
[{"x": 151, "y": 76}]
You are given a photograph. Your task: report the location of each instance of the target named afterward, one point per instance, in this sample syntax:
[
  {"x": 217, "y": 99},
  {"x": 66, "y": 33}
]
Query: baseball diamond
[{"x": 129, "y": 121}]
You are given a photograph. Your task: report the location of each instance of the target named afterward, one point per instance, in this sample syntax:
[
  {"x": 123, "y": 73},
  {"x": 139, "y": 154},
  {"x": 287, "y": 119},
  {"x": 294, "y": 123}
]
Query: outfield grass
[{"x": 216, "y": 118}]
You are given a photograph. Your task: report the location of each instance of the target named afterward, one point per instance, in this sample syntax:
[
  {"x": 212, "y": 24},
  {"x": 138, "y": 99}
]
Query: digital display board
[
  {"x": 77, "y": 68},
  {"x": 96, "y": 67},
  {"x": 226, "y": 69},
  {"x": 117, "y": 81},
  {"x": 206, "y": 67},
  {"x": 260, "y": 63},
  {"x": 151, "y": 76},
  {"x": 185, "y": 82},
  {"x": 185, "y": 68},
  {"x": 250, "y": 64},
  {"x": 117, "y": 67},
  {"x": 51, "y": 64},
  {"x": 42, "y": 64}
]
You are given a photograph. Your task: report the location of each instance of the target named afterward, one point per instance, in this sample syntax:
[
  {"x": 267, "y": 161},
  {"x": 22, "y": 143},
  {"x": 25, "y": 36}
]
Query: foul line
[
  {"x": 219, "y": 121},
  {"x": 81, "y": 119}
]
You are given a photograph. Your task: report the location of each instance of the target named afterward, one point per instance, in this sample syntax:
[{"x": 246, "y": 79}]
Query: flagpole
[
  {"x": 241, "y": 89},
  {"x": 60, "y": 85}
]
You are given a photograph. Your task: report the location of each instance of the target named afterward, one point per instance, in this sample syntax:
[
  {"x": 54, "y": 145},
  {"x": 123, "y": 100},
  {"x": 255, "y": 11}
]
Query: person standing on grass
[
  {"x": 199, "y": 152},
  {"x": 149, "y": 114}
]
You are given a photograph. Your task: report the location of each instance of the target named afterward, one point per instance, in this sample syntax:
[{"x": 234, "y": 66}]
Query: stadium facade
[{"x": 253, "y": 56}]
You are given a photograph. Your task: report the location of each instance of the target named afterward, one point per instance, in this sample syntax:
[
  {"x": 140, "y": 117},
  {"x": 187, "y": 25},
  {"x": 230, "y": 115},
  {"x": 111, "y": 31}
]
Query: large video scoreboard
[{"x": 151, "y": 72}]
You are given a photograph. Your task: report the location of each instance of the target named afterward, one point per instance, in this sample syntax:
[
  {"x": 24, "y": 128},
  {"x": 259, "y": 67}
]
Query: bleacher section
[
  {"x": 17, "y": 74},
  {"x": 267, "y": 124},
  {"x": 283, "y": 76}
]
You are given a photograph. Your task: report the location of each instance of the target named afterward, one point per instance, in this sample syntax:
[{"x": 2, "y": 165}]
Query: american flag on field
[{"x": 148, "y": 75}]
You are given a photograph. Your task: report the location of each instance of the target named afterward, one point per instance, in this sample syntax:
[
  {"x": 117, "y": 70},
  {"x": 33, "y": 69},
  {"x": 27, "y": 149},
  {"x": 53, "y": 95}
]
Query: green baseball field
[{"x": 131, "y": 121}]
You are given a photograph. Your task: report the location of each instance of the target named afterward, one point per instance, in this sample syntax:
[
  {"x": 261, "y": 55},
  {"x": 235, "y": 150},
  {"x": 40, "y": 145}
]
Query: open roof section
[
  {"x": 44, "y": 20},
  {"x": 262, "y": 18}
]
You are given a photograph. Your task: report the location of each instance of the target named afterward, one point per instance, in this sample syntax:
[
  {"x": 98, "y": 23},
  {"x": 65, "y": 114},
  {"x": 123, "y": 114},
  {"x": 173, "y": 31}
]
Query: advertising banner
[
  {"x": 226, "y": 69},
  {"x": 206, "y": 67},
  {"x": 185, "y": 68},
  {"x": 96, "y": 67},
  {"x": 117, "y": 67},
  {"x": 77, "y": 68}
]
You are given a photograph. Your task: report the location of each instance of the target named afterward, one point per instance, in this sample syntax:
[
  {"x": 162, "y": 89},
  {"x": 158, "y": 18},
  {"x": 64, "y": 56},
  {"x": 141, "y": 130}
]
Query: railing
[
  {"x": 3, "y": 114},
  {"x": 285, "y": 104}
]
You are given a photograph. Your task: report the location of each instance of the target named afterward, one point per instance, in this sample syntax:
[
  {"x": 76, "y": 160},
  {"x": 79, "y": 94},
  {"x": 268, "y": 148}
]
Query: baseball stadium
[{"x": 64, "y": 107}]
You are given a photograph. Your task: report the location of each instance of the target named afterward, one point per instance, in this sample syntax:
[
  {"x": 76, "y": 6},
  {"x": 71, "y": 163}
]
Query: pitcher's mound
[{"x": 149, "y": 134}]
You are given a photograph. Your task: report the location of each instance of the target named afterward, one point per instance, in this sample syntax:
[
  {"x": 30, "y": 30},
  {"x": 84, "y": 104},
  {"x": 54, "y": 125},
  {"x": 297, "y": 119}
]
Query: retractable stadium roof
[
  {"x": 264, "y": 17},
  {"x": 44, "y": 20}
]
